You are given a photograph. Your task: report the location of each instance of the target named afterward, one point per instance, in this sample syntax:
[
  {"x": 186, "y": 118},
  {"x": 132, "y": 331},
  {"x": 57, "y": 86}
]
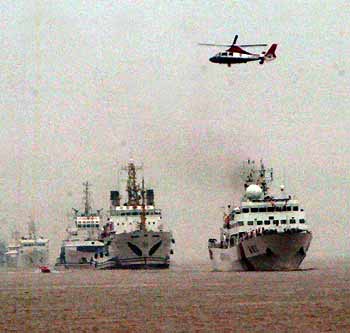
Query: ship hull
[
  {"x": 61, "y": 267},
  {"x": 137, "y": 250},
  {"x": 79, "y": 255},
  {"x": 268, "y": 252},
  {"x": 28, "y": 259}
]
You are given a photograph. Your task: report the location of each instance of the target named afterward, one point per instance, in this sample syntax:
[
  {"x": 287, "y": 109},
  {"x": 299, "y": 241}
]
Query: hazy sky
[{"x": 85, "y": 85}]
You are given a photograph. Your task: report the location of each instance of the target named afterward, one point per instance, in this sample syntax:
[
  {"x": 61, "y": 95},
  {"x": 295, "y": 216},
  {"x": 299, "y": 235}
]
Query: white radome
[{"x": 254, "y": 191}]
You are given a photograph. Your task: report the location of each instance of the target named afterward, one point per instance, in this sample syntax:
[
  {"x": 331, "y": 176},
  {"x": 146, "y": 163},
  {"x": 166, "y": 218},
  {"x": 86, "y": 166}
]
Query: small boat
[{"x": 45, "y": 269}]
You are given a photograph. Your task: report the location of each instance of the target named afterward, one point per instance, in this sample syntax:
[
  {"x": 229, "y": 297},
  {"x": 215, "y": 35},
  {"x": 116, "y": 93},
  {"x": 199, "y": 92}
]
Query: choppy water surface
[{"x": 181, "y": 299}]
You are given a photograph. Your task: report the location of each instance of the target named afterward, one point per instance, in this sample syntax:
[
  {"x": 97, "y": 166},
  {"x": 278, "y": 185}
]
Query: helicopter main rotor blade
[
  {"x": 208, "y": 44},
  {"x": 227, "y": 45},
  {"x": 252, "y": 45}
]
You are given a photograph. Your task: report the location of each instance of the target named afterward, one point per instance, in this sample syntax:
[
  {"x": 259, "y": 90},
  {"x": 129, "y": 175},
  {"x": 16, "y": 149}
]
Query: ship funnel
[
  {"x": 115, "y": 198},
  {"x": 150, "y": 197}
]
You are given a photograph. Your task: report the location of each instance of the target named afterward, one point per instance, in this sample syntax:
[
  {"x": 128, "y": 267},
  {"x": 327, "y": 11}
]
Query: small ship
[
  {"x": 81, "y": 247},
  {"x": 28, "y": 251},
  {"x": 265, "y": 232},
  {"x": 135, "y": 235}
]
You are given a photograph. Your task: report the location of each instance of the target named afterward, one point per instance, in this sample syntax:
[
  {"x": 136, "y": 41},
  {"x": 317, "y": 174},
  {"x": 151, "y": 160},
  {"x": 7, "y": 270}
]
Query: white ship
[
  {"x": 265, "y": 232},
  {"x": 28, "y": 251},
  {"x": 136, "y": 236},
  {"x": 81, "y": 247}
]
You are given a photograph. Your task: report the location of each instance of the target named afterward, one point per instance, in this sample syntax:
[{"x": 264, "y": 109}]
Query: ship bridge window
[
  {"x": 254, "y": 210},
  {"x": 271, "y": 209},
  {"x": 278, "y": 209},
  {"x": 250, "y": 222},
  {"x": 283, "y": 222},
  {"x": 240, "y": 223},
  {"x": 292, "y": 221},
  {"x": 266, "y": 222},
  {"x": 245, "y": 210},
  {"x": 224, "y": 54},
  {"x": 259, "y": 223},
  {"x": 134, "y": 213},
  {"x": 289, "y": 208},
  {"x": 295, "y": 208},
  {"x": 262, "y": 209},
  {"x": 301, "y": 221},
  {"x": 231, "y": 54},
  {"x": 276, "y": 222}
]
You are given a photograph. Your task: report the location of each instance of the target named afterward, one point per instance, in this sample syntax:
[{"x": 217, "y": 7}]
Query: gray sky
[{"x": 86, "y": 84}]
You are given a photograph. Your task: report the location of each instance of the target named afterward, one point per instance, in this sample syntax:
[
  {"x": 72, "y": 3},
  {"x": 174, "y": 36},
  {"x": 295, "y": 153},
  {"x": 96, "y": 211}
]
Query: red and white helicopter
[{"x": 236, "y": 55}]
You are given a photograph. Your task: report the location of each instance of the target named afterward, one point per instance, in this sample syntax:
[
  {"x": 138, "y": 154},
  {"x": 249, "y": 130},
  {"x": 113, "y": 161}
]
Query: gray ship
[
  {"x": 265, "y": 232},
  {"x": 30, "y": 251},
  {"x": 81, "y": 247},
  {"x": 135, "y": 235}
]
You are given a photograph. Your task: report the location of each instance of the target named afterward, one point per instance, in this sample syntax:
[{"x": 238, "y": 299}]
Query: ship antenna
[{"x": 86, "y": 198}]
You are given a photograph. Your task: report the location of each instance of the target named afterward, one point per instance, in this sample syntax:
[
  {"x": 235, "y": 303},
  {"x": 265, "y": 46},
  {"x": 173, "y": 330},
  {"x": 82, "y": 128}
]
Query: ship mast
[
  {"x": 32, "y": 229},
  {"x": 261, "y": 176},
  {"x": 131, "y": 186},
  {"x": 86, "y": 199},
  {"x": 143, "y": 210},
  {"x": 265, "y": 177}
]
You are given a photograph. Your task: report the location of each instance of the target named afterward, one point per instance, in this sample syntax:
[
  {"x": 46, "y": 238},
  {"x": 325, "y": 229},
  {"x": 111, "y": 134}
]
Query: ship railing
[{"x": 213, "y": 243}]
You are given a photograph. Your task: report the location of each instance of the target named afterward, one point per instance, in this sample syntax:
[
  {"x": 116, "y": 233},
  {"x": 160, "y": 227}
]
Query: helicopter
[{"x": 235, "y": 54}]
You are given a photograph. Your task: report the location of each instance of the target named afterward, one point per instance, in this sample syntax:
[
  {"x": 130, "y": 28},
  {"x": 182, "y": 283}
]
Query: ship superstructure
[
  {"x": 265, "y": 232},
  {"x": 30, "y": 251},
  {"x": 136, "y": 236},
  {"x": 81, "y": 247}
]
